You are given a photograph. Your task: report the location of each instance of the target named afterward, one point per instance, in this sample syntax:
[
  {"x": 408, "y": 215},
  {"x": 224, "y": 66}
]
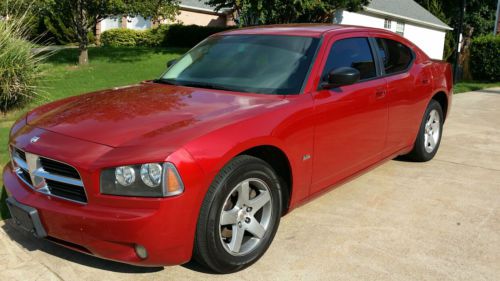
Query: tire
[
  {"x": 429, "y": 134},
  {"x": 227, "y": 214}
]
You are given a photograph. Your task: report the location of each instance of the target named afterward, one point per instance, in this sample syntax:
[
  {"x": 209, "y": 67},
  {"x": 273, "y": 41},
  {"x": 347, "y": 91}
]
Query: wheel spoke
[
  {"x": 435, "y": 127},
  {"x": 229, "y": 217},
  {"x": 243, "y": 193},
  {"x": 433, "y": 116},
  {"x": 432, "y": 142},
  {"x": 256, "y": 228},
  {"x": 258, "y": 202},
  {"x": 236, "y": 239}
]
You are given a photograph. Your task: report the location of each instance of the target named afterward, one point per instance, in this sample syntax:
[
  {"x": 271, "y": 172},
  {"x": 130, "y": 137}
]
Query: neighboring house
[
  {"x": 404, "y": 17},
  {"x": 190, "y": 12}
]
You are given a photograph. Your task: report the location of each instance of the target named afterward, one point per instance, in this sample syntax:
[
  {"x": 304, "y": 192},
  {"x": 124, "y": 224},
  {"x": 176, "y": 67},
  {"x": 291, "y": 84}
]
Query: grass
[
  {"x": 109, "y": 67},
  {"x": 467, "y": 86}
]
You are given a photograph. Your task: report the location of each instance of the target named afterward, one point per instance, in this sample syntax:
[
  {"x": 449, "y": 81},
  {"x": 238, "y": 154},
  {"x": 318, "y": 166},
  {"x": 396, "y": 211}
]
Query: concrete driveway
[{"x": 402, "y": 221}]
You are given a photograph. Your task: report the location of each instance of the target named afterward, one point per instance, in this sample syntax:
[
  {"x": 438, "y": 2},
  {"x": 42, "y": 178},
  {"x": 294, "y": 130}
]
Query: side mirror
[
  {"x": 171, "y": 62},
  {"x": 341, "y": 76}
]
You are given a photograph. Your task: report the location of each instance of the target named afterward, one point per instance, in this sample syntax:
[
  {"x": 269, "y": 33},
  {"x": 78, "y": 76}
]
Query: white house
[
  {"x": 190, "y": 12},
  {"x": 404, "y": 17}
]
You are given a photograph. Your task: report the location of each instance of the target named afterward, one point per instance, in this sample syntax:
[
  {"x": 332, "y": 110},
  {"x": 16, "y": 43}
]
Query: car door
[
  {"x": 408, "y": 84},
  {"x": 350, "y": 121}
]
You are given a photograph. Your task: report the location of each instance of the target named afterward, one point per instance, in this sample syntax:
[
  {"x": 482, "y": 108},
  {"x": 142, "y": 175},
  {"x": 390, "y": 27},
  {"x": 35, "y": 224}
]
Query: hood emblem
[{"x": 34, "y": 139}]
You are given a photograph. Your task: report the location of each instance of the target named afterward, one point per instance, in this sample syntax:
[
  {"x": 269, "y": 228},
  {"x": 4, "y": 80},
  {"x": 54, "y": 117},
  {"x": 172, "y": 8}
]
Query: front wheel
[
  {"x": 239, "y": 216},
  {"x": 429, "y": 135}
]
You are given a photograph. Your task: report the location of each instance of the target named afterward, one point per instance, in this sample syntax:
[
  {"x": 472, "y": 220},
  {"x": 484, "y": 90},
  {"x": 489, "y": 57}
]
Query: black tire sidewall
[
  {"x": 212, "y": 252},
  {"x": 419, "y": 153}
]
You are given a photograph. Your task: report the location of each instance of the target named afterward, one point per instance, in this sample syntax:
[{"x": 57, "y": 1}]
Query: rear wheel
[
  {"x": 239, "y": 216},
  {"x": 429, "y": 136}
]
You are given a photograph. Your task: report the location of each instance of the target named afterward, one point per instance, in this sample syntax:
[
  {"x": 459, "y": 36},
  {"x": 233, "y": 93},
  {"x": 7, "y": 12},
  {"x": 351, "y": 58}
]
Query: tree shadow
[
  {"x": 107, "y": 54},
  {"x": 491, "y": 91}
]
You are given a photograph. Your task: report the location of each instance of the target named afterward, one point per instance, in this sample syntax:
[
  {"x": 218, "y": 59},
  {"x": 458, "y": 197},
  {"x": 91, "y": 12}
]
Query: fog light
[{"x": 141, "y": 251}]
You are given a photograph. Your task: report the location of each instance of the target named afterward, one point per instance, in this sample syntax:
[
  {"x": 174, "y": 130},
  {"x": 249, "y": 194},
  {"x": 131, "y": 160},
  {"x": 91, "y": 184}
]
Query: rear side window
[
  {"x": 352, "y": 52},
  {"x": 395, "y": 56}
]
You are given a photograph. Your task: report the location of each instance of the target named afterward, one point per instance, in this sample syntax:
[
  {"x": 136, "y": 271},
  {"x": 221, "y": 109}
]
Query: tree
[
  {"x": 479, "y": 17},
  {"x": 254, "y": 12},
  {"x": 82, "y": 16}
]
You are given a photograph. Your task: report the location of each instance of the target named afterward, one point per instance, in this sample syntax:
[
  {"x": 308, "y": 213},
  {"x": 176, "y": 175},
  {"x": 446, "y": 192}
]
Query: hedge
[
  {"x": 188, "y": 36},
  {"x": 185, "y": 36},
  {"x": 485, "y": 58}
]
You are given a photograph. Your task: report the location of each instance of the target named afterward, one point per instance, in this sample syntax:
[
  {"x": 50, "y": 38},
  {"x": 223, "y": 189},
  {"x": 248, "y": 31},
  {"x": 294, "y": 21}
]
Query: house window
[
  {"x": 387, "y": 24},
  {"x": 400, "y": 28}
]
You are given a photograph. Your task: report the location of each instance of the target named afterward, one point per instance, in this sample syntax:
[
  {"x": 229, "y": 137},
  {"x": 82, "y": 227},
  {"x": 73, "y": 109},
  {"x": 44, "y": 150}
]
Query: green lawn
[
  {"x": 468, "y": 86},
  {"x": 108, "y": 68}
]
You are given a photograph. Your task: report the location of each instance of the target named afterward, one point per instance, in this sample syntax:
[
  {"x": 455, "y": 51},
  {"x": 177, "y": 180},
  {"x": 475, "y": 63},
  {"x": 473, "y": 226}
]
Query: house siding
[
  {"x": 189, "y": 17},
  {"x": 430, "y": 40}
]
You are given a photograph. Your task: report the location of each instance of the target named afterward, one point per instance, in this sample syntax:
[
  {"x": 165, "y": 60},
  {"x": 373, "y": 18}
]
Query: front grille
[
  {"x": 20, "y": 153},
  {"x": 58, "y": 168},
  {"x": 25, "y": 176},
  {"x": 49, "y": 176},
  {"x": 75, "y": 193}
]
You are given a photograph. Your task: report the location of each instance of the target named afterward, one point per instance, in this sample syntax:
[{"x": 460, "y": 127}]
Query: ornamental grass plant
[{"x": 20, "y": 66}]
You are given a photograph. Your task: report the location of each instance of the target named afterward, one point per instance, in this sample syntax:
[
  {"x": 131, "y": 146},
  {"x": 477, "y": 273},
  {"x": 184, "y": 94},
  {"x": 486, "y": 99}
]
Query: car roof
[{"x": 310, "y": 30}]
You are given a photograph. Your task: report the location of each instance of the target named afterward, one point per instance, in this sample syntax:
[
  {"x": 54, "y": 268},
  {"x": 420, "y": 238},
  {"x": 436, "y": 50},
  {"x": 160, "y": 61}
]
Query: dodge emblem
[{"x": 34, "y": 139}]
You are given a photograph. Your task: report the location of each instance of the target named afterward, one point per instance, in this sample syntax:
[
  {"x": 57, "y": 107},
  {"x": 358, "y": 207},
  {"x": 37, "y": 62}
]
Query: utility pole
[
  {"x": 456, "y": 70},
  {"x": 495, "y": 32}
]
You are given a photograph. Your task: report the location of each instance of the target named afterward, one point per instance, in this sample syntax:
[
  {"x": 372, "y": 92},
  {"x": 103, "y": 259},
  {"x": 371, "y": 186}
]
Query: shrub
[
  {"x": 120, "y": 38},
  {"x": 166, "y": 35},
  {"x": 485, "y": 58},
  {"x": 187, "y": 36},
  {"x": 19, "y": 66}
]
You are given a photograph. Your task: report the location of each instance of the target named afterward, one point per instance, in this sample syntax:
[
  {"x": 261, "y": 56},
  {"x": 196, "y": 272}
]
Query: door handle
[{"x": 380, "y": 94}]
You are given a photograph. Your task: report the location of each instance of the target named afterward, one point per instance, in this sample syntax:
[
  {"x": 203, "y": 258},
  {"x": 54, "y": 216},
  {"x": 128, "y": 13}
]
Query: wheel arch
[
  {"x": 442, "y": 99},
  {"x": 279, "y": 161}
]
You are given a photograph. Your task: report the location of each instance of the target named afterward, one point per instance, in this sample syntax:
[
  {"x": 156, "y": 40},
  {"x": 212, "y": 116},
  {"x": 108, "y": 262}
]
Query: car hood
[{"x": 147, "y": 113}]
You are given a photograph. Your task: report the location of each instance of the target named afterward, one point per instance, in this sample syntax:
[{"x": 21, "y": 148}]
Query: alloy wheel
[{"x": 245, "y": 217}]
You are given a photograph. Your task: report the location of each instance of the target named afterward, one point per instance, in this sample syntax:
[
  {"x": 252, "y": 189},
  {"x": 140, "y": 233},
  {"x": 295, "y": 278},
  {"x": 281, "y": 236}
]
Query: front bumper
[{"x": 165, "y": 227}]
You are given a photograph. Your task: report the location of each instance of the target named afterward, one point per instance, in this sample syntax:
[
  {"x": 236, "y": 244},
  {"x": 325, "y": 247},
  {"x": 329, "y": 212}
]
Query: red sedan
[{"x": 205, "y": 160}]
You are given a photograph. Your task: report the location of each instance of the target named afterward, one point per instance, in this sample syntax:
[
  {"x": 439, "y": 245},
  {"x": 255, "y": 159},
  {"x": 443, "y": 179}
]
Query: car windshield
[{"x": 246, "y": 63}]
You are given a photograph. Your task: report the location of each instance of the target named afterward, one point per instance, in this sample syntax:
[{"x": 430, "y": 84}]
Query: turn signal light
[{"x": 173, "y": 180}]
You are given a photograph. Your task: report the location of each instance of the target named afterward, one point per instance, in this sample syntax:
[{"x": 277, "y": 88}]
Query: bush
[
  {"x": 166, "y": 36},
  {"x": 120, "y": 38},
  {"x": 19, "y": 66},
  {"x": 187, "y": 36},
  {"x": 485, "y": 58}
]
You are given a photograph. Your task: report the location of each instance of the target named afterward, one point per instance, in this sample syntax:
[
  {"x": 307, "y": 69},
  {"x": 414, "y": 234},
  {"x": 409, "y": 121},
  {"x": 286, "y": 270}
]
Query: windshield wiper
[
  {"x": 206, "y": 86},
  {"x": 165, "y": 81},
  {"x": 194, "y": 85}
]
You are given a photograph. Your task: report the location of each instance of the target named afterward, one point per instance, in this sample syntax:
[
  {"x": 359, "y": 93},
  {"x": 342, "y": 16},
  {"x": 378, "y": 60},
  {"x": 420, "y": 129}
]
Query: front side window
[
  {"x": 352, "y": 52},
  {"x": 395, "y": 56},
  {"x": 266, "y": 64}
]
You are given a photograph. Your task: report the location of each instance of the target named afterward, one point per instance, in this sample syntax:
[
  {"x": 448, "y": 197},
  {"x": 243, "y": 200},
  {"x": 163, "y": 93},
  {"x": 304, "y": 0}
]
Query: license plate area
[{"x": 26, "y": 218}]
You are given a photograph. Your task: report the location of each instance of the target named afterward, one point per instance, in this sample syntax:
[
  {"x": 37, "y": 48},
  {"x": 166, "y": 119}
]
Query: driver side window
[{"x": 352, "y": 52}]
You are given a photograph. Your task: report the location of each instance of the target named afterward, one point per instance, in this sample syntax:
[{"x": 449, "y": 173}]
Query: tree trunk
[{"x": 84, "y": 55}]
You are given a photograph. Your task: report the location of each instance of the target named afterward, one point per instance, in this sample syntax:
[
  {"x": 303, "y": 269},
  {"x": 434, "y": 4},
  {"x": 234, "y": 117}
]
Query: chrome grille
[{"x": 48, "y": 176}]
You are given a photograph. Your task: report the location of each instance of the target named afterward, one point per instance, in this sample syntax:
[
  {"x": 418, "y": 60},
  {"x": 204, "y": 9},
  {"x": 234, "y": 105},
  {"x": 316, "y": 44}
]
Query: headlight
[{"x": 147, "y": 180}]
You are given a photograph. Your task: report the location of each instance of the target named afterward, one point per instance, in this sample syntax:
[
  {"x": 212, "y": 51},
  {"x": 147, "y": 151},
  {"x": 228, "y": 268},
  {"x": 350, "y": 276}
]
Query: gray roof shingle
[
  {"x": 406, "y": 9},
  {"x": 200, "y": 4}
]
